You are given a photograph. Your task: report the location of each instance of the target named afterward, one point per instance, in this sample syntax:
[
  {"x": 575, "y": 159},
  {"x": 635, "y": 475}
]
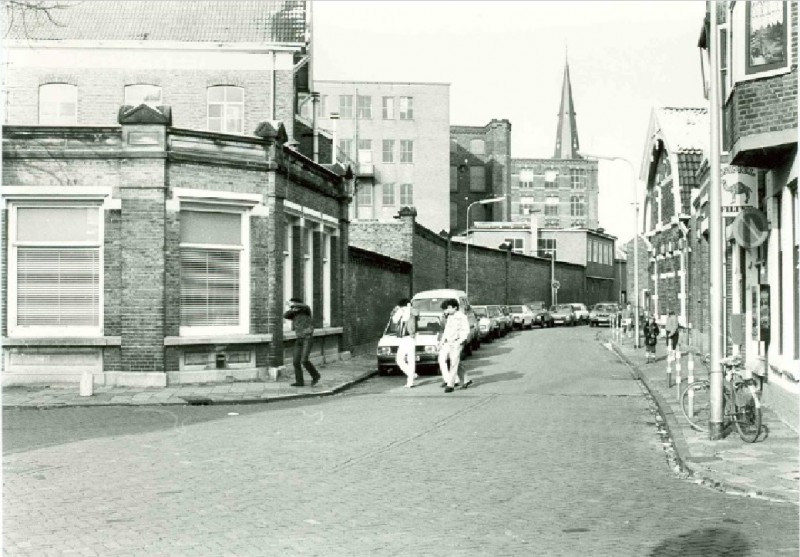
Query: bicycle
[{"x": 740, "y": 403}]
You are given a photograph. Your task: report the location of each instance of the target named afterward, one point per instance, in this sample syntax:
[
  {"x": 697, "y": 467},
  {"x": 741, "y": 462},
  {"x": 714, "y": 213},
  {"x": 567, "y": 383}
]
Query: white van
[{"x": 431, "y": 300}]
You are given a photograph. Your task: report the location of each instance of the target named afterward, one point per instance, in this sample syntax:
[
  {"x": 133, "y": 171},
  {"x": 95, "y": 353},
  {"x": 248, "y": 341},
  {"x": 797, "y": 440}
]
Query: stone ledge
[{"x": 62, "y": 341}]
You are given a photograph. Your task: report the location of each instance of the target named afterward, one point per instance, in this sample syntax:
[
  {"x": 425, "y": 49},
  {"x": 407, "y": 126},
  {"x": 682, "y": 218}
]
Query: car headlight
[{"x": 384, "y": 351}]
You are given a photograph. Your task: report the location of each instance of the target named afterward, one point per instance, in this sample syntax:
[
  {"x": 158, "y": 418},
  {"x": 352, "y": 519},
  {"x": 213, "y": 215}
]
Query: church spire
[{"x": 567, "y": 145}]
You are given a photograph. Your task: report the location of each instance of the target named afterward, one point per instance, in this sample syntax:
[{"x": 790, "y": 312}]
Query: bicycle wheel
[
  {"x": 696, "y": 404},
  {"x": 746, "y": 411}
]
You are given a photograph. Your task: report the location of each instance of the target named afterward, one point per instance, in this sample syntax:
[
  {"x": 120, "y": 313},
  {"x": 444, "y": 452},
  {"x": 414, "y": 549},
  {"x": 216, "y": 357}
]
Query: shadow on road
[
  {"x": 480, "y": 379},
  {"x": 708, "y": 542}
]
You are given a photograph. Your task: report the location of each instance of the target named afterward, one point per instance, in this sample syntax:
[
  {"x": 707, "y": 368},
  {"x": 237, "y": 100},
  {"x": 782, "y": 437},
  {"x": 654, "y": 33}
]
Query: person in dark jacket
[
  {"x": 303, "y": 325},
  {"x": 651, "y": 338}
]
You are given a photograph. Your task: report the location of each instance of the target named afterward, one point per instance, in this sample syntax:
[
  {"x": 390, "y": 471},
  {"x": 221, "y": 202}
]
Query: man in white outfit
[
  {"x": 455, "y": 335},
  {"x": 404, "y": 321}
]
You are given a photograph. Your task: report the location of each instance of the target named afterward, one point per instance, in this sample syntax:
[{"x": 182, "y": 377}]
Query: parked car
[
  {"x": 521, "y": 316},
  {"x": 564, "y": 314},
  {"x": 431, "y": 301},
  {"x": 508, "y": 321},
  {"x": 581, "y": 312},
  {"x": 488, "y": 322},
  {"x": 429, "y": 328},
  {"x": 603, "y": 313},
  {"x": 541, "y": 315},
  {"x": 501, "y": 319}
]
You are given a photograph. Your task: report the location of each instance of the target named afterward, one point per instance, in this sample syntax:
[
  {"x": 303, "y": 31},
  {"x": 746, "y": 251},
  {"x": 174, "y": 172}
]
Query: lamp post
[
  {"x": 469, "y": 238},
  {"x": 635, "y": 239}
]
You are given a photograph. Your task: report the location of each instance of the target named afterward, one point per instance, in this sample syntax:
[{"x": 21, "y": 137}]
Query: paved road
[{"x": 553, "y": 452}]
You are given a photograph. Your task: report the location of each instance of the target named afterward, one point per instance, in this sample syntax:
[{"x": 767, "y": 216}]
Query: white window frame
[
  {"x": 15, "y": 197},
  {"x": 577, "y": 206},
  {"x": 407, "y": 151},
  {"x": 388, "y": 108},
  {"x": 225, "y": 106},
  {"x": 288, "y": 270},
  {"x": 308, "y": 263},
  {"x": 364, "y": 107},
  {"x": 364, "y": 195},
  {"x": 737, "y": 45},
  {"x": 407, "y": 193},
  {"x": 548, "y": 203},
  {"x": 406, "y": 108},
  {"x": 246, "y": 204},
  {"x": 389, "y": 152},
  {"x": 345, "y": 106},
  {"x": 56, "y": 118},
  {"x": 388, "y": 187},
  {"x": 128, "y": 93},
  {"x": 526, "y": 173},
  {"x": 365, "y": 151}
]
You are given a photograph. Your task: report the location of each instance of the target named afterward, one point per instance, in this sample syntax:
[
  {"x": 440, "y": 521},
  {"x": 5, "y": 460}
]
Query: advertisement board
[{"x": 739, "y": 189}]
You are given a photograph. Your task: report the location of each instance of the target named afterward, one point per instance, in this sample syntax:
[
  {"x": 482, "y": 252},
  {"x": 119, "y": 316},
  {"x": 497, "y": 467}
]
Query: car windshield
[
  {"x": 537, "y": 306},
  {"x": 479, "y": 311},
  {"x": 428, "y": 304},
  {"x": 494, "y": 311},
  {"x": 516, "y": 309},
  {"x": 426, "y": 323},
  {"x": 605, "y": 307},
  {"x": 562, "y": 308}
]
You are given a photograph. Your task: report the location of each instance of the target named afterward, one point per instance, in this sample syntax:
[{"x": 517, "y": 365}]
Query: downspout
[{"x": 274, "y": 85}]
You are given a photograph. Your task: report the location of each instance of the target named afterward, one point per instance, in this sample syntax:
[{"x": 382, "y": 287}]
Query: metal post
[
  {"x": 466, "y": 257},
  {"x": 715, "y": 233}
]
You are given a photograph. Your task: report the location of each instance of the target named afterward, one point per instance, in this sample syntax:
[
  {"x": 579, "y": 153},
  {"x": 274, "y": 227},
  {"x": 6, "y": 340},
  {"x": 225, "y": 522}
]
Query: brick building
[
  {"x": 394, "y": 134},
  {"x": 156, "y": 242},
  {"x": 479, "y": 169},
  {"x": 677, "y": 139},
  {"x": 759, "y": 140}
]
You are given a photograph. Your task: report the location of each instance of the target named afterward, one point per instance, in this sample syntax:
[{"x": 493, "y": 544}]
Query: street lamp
[
  {"x": 469, "y": 238},
  {"x": 635, "y": 238}
]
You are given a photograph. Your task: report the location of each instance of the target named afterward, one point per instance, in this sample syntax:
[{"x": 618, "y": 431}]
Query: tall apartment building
[
  {"x": 395, "y": 136},
  {"x": 479, "y": 169}
]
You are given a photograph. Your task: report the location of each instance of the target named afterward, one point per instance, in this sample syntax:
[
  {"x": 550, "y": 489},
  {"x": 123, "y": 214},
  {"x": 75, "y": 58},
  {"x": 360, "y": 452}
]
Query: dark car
[{"x": 541, "y": 315}]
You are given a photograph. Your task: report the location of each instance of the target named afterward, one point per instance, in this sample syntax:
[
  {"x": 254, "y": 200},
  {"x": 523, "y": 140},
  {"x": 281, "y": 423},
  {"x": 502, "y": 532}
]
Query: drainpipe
[
  {"x": 274, "y": 85},
  {"x": 315, "y": 131}
]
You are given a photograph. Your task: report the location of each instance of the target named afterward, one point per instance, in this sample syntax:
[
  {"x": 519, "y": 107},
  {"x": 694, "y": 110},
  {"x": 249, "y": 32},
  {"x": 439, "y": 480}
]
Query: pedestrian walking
[
  {"x": 451, "y": 343},
  {"x": 404, "y": 322},
  {"x": 672, "y": 331},
  {"x": 303, "y": 325},
  {"x": 627, "y": 320},
  {"x": 651, "y": 338}
]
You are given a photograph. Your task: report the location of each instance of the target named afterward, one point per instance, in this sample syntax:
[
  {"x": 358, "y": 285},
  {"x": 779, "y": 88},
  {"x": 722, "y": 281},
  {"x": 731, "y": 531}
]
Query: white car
[
  {"x": 429, "y": 328},
  {"x": 581, "y": 312},
  {"x": 521, "y": 316}
]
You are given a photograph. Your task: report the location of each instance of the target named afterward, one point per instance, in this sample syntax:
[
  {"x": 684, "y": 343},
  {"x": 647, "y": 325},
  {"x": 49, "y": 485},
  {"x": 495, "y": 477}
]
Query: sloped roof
[
  {"x": 225, "y": 21},
  {"x": 684, "y": 129}
]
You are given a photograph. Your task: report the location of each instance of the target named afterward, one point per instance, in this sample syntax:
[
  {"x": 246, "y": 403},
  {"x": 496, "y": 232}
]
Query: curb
[
  {"x": 199, "y": 400},
  {"x": 681, "y": 448}
]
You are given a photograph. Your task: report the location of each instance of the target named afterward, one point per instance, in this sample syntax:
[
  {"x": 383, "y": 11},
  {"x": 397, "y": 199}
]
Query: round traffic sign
[
  {"x": 750, "y": 228},
  {"x": 556, "y": 284}
]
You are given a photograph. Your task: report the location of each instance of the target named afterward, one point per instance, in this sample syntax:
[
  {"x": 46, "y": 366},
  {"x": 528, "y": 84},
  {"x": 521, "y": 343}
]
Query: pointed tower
[{"x": 567, "y": 145}]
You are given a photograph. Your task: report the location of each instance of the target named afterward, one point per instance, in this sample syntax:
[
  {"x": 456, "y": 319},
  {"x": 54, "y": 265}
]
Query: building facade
[
  {"x": 759, "y": 180},
  {"x": 148, "y": 244},
  {"x": 479, "y": 169},
  {"x": 395, "y": 137}
]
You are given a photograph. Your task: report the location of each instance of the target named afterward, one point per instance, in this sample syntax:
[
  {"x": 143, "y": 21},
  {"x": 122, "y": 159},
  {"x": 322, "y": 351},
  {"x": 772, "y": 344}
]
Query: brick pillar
[
  {"x": 298, "y": 263},
  {"x": 318, "y": 302},
  {"x": 142, "y": 192},
  {"x": 408, "y": 216}
]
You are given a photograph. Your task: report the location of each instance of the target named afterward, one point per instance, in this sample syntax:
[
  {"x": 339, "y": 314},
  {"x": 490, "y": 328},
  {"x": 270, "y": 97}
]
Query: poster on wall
[
  {"x": 754, "y": 328},
  {"x": 763, "y": 312},
  {"x": 739, "y": 188}
]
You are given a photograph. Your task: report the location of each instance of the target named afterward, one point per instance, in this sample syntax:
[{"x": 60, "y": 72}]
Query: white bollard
[
  {"x": 689, "y": 381},
  {"x": 669, "y": 368},
  {"x": 678, "y": 371},
  {"x": 87, "y": 383}
]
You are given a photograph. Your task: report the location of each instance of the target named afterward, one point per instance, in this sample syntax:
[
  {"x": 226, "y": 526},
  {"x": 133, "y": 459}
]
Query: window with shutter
[
  {"x": 55, "y": 265},
  {"x": 212, "y": 252}
]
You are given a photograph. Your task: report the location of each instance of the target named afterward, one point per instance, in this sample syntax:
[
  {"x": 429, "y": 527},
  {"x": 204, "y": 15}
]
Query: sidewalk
[
  {"x": 769, "y": 467},
  {"x": 336, "y": 377}
]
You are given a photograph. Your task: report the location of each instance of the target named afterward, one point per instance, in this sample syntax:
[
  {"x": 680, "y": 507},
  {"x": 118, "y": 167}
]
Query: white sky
[{"x": 506, "y": 60}]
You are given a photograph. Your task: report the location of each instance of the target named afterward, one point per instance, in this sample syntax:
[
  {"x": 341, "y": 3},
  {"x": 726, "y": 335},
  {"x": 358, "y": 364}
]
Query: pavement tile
[{"x": 769, "y": 467}]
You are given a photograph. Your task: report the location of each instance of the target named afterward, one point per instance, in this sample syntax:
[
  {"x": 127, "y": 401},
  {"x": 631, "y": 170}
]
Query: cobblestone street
[{"x": 552, "y": 451}]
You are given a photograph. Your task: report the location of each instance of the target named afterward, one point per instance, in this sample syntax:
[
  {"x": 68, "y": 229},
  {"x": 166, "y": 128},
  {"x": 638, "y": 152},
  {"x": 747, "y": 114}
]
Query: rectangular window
[
  {"x": 364, "y": 107},
  {"x": 765, "y": 36},
  {"x": 364, "y": 195},
  {"x": 551, "y": 206},
  {"x": 388, "y": 150},
  {"x": 225, "y": 109},
  {"x": 723, "y": 61},
  {"x": 388, "y": 195},
  {"x": 212, "y": 251},
  {"x": 577, "y": 178},
  {"x": 406, "y": 150},
  {"x": 406, "y": 195},
  {"x": 345, "y": 150},
  {"x": 345, "y": 106},
  {"x": 365, "y": 151},
  {"x": 517, "y": 244},
  {"x": 546, "y": 247},
  {"x": 55, "y": 270},
  {"x": 526, "y": 178},
  {"x": 577, "y": 206},
  {"x": 288, "y": 272},
  {"x": 406, "y": 108},
  {"x": 388, "y": 108},
  {"x": 477, "y": 178},
  {"x": 477, "y": 146},
  {"x": 58, "y": 104},
  {"x": 525, "y": 205}
]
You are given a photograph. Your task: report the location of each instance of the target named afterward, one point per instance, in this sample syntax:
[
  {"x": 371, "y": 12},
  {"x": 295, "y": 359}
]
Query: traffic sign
[
  {"x": 750, "y": 228},
  {"x": 556, "y": 285}
]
